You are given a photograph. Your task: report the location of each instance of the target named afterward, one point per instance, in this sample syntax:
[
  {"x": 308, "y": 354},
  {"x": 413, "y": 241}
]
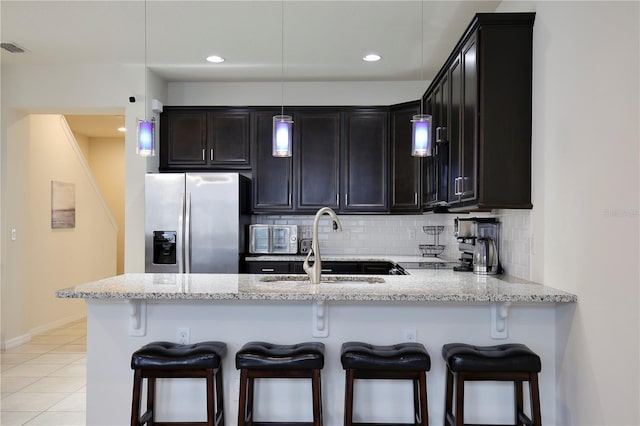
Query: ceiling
[
  {"x": 319, "y": 40},
  {"x": 96, "y": 126}
]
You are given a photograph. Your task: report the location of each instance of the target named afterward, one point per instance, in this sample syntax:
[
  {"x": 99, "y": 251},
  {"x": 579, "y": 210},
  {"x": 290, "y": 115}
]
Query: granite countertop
[{"x": 433, "y": 285}]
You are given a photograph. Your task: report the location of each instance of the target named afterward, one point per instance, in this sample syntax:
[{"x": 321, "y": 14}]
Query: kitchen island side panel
[{"x": 109, "y": 349}]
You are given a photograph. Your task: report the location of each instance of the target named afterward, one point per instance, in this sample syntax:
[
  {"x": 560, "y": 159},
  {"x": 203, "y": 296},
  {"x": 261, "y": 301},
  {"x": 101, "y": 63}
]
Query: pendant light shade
[
  {"x": 282, "y": 124},
  {"x": 282, "y": 135},
  {"x": 146, "y": 146},
  {"x": 145, "y": 139},
  {"x": 421, "y": 145}
]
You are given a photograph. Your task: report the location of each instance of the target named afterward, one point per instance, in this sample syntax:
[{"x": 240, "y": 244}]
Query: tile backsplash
[{"x": 401, "y": 235}]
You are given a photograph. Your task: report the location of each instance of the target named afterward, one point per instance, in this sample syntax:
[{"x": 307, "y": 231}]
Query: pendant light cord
[
  {"x": 421, "y": 49},
  {"x": 282, "y": 55},
  {"x": 145, "y": 60}
]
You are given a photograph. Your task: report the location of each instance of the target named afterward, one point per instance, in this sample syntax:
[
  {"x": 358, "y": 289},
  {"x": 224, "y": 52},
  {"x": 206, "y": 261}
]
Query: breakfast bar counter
[
  {"x": 430, "y": 306},
  {"x": 421, "y": 285}
]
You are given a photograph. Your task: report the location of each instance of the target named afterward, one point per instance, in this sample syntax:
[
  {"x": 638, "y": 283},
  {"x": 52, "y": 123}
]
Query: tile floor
[{"x": 44, "y": 381}]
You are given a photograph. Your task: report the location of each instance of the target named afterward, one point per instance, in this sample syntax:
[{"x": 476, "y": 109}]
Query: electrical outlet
[
  {"x": 183, "y": 335},
  {"x": 411, "y": 232},
  {"x": 409, "y": 334}
]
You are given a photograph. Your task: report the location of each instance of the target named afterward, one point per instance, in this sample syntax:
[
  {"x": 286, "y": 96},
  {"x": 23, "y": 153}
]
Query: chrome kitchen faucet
[{"x": 314, "y": 271}]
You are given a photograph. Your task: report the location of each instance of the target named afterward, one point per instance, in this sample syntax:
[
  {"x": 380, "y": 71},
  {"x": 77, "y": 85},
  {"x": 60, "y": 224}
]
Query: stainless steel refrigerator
[{"x": 195, "y": 222}]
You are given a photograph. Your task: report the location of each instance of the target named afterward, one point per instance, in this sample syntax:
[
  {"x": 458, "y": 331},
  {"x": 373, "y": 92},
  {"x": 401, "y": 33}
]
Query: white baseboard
[
  {"x": 26, "y": 338},
  {"x": 16, "y": 341},
  {"x": 55, "y": 324}
]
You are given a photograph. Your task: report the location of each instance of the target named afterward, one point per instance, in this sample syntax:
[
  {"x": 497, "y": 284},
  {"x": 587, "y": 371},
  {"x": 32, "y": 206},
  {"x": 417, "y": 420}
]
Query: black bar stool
[
  {"x": 509, "y": 362},
  {"x": 404, "y": 361},
  {"x": 172, "y": 360},
  {"x": 262, "y": 360}
]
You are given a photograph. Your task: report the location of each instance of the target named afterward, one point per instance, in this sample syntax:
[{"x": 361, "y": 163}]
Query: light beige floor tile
[
  {"x": 70, "y": 348},
  {"x": 42, "y": 339},
  {"x": 66, "y": 331},
  {"x": 58, "y": 418},
  {"x": 4, "y": 395},
  {"x": 15, "y": 358},
  {"x": 31, "y": 348},
  {"x": 80, "y": 341},
  {"x": 14, "y": 384},
  {"x": 30, "y": 401},
  {"x": 31, "y": 370},
  {"x": 56, "y": 384},
  {"x": 5, "y": 367},
  {"x": 81, "y": 361},
  {"x": 74, "y": 402},
  {"x": 70, "y": 370},
  {"x": 56, "y": 358},
  {"x": 16, "y": 418}
]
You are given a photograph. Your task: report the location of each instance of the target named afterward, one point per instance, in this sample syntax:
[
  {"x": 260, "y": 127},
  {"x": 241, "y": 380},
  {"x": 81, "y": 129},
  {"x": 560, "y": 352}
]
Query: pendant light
[
  {"x": 145, "y": 140},
  {"x": 282, "y": 124},
  {"x": 421, "y": 145}
]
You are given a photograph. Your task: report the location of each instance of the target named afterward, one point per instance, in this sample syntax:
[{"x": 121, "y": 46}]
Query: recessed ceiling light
[
  {"x": 122, "y": 129},
  {"x": 372, "y": 57},
  {"x": 215, "y": 59}
]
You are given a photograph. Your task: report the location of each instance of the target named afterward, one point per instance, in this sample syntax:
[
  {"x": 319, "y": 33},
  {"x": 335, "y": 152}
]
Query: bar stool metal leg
[
  {"x": 421, "y": 416},
  {"x": 317, "y": 398},
  {"x": 459, "y": 380},
  {"x": 348, "y": 399},
  {"x": 534, "y": 391}
]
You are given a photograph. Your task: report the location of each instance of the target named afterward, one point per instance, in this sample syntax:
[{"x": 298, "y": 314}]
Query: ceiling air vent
[{"x": 12, "y": 47}]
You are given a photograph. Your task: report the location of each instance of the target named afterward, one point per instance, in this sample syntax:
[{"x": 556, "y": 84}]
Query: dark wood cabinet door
[
  {"x": 442, "y": 140},
  {"x": 272, "y": 176},
  {"x": 455, "y": 128},
  {"x": 228, "y": 139},
  {"x": 318, "y": 159},
  {"x": 183, "y": 138},
  {"x": 365, "y": 161},
  {"x": 469, "y": 143},
  {"x": 429, "y": 164},
  {"x": 405, "y": 168}
]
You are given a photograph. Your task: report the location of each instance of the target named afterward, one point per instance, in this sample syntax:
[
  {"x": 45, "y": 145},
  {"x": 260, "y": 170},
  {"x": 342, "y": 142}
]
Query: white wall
[
  {"x": 106, "y": 159},
  {"x": 585, "y": 196},
  {"x": 47, "y": 259},
  {"x": 295, "y": 93}
]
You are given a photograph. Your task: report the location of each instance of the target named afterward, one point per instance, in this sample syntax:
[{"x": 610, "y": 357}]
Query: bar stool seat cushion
[
  {"x": 175, "y": 356},
  {"x": 400, "y": 357},
  {"x": 512, "y": 357},
  {"x": 268, "y": 356}
]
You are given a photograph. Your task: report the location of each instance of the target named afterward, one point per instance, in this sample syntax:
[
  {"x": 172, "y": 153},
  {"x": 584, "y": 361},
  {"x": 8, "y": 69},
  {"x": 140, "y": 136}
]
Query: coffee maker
[{"x": 478, "y": 242}]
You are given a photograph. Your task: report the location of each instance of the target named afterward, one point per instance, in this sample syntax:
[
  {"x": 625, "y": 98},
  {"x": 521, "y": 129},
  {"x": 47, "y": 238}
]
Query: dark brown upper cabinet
[
  {"x": 272, "y": 180},
  {"x": 340, "y": 160},
  {"x": 204, "y": 139},
  {"x": 405, "y": 181},
  {"x": 487, "y": 79},
  {"x": 317, "y": 138},
  {"x": 366, "y": 161}
]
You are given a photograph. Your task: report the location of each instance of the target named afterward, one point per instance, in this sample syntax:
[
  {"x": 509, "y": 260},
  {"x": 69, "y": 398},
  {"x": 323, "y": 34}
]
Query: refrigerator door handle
[
  {"x": 187, "y": 233},
  {"x": 180, "y": 236}
]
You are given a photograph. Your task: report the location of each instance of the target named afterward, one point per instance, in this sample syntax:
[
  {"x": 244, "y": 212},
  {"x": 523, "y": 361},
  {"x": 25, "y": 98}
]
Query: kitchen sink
[{"x": 326, "y": 279}]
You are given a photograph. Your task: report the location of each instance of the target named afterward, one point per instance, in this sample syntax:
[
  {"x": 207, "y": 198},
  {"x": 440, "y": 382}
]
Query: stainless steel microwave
[{"x": 276, "y": 239}]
